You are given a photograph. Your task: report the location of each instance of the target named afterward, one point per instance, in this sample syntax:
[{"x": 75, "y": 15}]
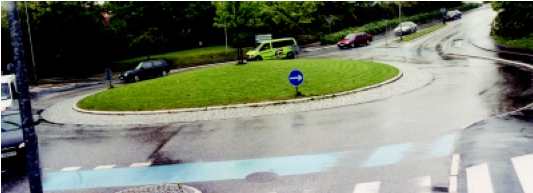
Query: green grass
[
  {"x": 423, "y": 32},
  {"x": 233, "y": 84},
  {"x": 525, "y": 43},
  {"x": 192, "y": 57}
]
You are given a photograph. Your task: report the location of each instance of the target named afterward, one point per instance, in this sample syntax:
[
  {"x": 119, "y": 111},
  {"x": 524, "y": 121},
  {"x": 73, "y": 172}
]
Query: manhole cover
[
  {"x": 261, "y": 177},
  {"x": 163, "y": 188}
]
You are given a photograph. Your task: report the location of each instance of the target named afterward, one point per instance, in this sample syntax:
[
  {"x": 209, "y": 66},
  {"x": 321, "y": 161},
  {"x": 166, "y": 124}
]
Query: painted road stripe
[
  {"x": 478, "y": 179},
  {"x": 103, "y": 167},
  {"x": 452, "y": 187},
  {"x": 443, "y": 146},
  {"x": 454, "y": 168},
  {"x": 189, "y": 172},
  {"x": 141, "y": 164},
  {"x": 523, "y": 166},
  {"x": 70, "y": 169},
  {"x": 368, "y": 187},
  {"x": 387, "y": 155},
  {"x": 423, "y": 184}
]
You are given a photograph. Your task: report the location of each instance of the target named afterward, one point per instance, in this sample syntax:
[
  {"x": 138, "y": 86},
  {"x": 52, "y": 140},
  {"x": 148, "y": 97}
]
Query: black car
[
  {"x": 146, "y": 70},
  {"x": 13, "y": 147}
]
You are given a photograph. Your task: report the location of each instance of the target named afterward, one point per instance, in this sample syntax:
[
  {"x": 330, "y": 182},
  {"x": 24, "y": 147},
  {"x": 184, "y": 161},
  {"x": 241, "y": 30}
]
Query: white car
[
  {"x": 453, "y": 15},
  {"x": 405, "y": 28},
  {"x": 8, "y": 91}
]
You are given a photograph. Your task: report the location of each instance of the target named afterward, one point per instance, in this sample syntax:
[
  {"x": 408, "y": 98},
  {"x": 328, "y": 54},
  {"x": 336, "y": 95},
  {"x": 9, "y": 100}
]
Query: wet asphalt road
[{"x": 422, "y": 124}]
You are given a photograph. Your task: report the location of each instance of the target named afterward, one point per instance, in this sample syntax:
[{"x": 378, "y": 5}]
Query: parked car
[
  {"x": 453, "y": 15},
  {"x": 405, "y": 28},
  {"x": 13, "y": 146},
  {"x": 274, "y": 49},
  {"x": 146, "y": 70},
  {"x": 354, "y": 39}
]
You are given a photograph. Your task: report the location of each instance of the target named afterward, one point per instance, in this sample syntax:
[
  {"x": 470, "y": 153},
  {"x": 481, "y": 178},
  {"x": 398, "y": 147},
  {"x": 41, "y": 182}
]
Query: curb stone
[
  {"x": 164, "y": 188},
  {"x": 259, "y": 104},
  {"x": 412, "y": 79}
]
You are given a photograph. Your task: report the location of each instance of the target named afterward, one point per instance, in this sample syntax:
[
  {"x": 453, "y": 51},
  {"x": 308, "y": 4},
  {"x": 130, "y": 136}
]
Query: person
[{"x": 108, "y": 77}]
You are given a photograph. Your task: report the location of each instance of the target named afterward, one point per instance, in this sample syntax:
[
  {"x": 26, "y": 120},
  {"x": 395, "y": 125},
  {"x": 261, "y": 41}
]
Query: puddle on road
[{"x": 517, "y": 87}]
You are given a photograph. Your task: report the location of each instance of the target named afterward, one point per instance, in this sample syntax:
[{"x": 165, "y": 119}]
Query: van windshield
[
  {"x": 6, "y": 93},
  {"x": 263, "y": 46}
]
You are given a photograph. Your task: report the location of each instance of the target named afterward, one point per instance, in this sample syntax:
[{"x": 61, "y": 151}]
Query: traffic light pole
[{"x": 30, "y": 138}]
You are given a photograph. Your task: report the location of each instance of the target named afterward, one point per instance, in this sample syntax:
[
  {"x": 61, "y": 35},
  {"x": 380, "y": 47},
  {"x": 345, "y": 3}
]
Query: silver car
[{"x": 405, "y": 28}]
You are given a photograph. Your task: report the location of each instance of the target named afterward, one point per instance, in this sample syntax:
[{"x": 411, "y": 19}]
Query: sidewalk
[{"x": 413, "y": 78}]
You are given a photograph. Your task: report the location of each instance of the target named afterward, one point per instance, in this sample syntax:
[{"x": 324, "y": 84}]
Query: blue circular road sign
[{"x": 296, "y": 77}]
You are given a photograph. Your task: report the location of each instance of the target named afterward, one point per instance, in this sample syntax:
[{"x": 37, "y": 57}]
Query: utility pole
[
  {"x": 30, "y": 138},
  {"x": 400, "y": 17}
]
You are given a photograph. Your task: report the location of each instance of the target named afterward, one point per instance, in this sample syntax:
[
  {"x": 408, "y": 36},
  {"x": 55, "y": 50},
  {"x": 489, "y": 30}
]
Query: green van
[{"x": 274, "y": 49}]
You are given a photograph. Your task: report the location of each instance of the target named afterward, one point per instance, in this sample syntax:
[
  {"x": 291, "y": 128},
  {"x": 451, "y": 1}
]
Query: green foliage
[
  {"x": 233, "y": 84},
  {"x": 514, "y": 19},
  {"x": 524, "y": 43},
  {"x": 186, "y": 58}
]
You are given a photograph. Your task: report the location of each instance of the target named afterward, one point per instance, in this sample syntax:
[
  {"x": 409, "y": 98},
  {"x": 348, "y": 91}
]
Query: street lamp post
[{"x": 108, "y": 74}]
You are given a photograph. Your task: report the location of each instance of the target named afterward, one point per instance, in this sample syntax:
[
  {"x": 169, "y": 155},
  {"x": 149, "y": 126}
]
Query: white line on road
[
  {"x": 141, "y": 164},
  {"x": 103, "y": 167},
  {"x": 423, "y": 184},
  {"x": 523, "y": 166},
  {"x": 69, "y": 169},
  {"x": 454, "y": 169},
  {"x": 368, "y": 187},
  {"x": 478, "y": 179},
  {"x": 452, "y": 187}
]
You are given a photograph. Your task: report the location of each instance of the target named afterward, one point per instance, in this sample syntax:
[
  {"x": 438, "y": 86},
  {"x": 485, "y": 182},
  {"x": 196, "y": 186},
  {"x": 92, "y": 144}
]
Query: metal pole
[
  {"x": 34, "y": 66},
  {"x": 226, "y": 35},
  {"x": 400, "y": 18},
  {"x": 30, "y": 138}
]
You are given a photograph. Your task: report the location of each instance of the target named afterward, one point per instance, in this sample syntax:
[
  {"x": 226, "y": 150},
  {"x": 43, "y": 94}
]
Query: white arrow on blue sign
[{"x": 296, "y": 77}]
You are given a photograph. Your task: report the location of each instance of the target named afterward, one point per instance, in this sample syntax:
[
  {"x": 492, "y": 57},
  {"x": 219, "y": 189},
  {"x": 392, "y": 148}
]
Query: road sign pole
[{"x": 30, "y": 138}]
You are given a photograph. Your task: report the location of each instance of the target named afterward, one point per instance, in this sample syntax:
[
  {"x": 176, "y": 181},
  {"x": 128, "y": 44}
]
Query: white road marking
[
  {"x": 452, "y": 187},
  {"x": 454, "y": 169},
  {"x": 523, "y": 166},
  {"x": 478, "y": 179},
  {"x": 141, "y": 164},
  {"x": 69, "y": 169},
  {"x": 103, "y": 167},
  {"x": 423, "y": 183},
  {"x": 368, "y": 187}
]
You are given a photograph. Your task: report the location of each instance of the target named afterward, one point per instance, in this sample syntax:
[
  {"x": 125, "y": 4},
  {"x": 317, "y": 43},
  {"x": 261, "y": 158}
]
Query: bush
[
  {"x": 377, "y": 27},
  {"x": 185, "y": 58}
]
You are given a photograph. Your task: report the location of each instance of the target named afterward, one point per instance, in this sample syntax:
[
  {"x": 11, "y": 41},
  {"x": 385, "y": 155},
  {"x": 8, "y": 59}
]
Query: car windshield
[
  {"x": 139, "y": 66},
  {"x": 349, "y": 36},
  {"x": 6, "y": 93},
  {"x": 263, "y": 46},
  {"x": 9, "y": 126}
]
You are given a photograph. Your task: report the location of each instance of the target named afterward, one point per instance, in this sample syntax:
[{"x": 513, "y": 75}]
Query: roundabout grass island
[{"x": 237, "y": 84}]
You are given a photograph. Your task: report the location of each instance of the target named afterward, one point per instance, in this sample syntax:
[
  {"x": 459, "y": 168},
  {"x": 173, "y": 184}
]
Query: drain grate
[{"x": 261, "y": 177}]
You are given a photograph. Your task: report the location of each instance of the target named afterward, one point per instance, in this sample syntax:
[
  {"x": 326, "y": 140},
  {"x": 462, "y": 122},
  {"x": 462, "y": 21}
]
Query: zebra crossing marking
[
  {"x": 367, "y": 187},
  {"x": 523, "y": 166},
  {"x": 478, "y": 179}
]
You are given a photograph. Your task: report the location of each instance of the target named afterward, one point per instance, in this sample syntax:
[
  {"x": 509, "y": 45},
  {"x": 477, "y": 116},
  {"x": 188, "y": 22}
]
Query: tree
[{"x": 514, "y": 19}]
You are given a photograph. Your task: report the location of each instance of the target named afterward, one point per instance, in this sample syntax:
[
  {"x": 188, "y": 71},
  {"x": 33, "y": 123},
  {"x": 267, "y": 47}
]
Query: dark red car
[{"x": 355, "y": 39}]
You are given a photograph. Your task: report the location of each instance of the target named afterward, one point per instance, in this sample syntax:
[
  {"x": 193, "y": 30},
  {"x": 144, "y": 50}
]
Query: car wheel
[
  {"x": 259, "y": 58},
  {"x": 136, "y": 78},
  {"x": 290, "y": 55},
  {"x": 163, "y": 73}
]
